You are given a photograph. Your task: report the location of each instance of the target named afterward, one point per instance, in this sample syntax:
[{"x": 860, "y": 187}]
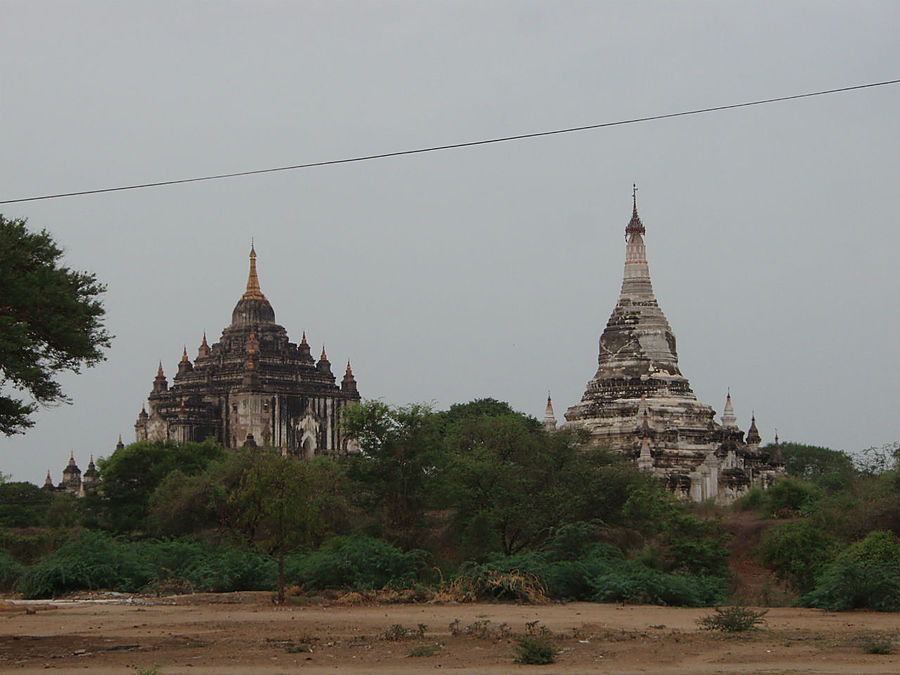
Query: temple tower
[
  {"x": 638, "y": 402},
  {"x": 252, "y": 387}
]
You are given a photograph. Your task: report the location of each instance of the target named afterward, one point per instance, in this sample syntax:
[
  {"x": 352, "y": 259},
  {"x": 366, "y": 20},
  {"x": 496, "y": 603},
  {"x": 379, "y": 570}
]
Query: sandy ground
[{"x": 245, "y": 633}]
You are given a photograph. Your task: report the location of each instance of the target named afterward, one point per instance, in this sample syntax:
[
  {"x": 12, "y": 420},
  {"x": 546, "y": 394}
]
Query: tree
[
  {"x": 397, "y": 468},
  {"x": 510, "y": 484},
  {"x": 131, "y": 475},
  {"x": 51, "y": 320},
  {"x": 832, "y": 469},
  {"x": 276, "y": 506}
]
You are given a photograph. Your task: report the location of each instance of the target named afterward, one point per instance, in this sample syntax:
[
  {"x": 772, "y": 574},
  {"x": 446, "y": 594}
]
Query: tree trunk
[{"x": 281, "y": 577}]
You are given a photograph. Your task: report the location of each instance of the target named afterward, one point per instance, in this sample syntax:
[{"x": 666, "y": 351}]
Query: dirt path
[{"x": 244, "y": 633}]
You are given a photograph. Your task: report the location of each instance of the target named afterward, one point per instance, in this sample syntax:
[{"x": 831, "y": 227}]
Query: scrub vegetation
[{"x": 477, "y": 502}]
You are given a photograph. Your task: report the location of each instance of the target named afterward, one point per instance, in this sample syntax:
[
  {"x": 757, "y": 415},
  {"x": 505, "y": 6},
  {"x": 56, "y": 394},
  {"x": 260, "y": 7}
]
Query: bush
[
  {"x": 206, "y": 567},
  {"x": 733, "y": 619},
  {"x": 797, "y": 553},
  {"x": 629, "y": 581},
  {"x": 533, "y": 650},
  {"x": 10, "y": 571},
  {"x": 479, "y": 582},
  {"x": 790, "y": 497},
  {"x": 90, "y": 562},
  {"x": 355, "y": 562},
  {"x": 865, "y": 575}
]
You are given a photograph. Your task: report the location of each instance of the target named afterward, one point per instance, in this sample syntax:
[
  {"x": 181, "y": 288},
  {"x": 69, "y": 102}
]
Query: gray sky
[{"x": 771, "y": 231}]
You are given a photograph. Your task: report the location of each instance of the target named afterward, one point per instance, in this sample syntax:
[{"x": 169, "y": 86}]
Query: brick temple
[
  {"x": 252, "y": 387},
  {"x": 639, "y": 403}
]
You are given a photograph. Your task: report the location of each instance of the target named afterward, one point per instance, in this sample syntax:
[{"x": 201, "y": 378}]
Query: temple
[
  {"x": 640, "y": 403},
  {"x": 252, "y": 388},
  {"x": 73, "y": 481}
]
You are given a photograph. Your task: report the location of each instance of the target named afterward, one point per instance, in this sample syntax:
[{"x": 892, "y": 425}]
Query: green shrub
[
  {"x": 355, "y": 562},
  {"x": 797, "y": 553},
  {"x": 535, "y": 650},
  {"x": 92, "y": 561},
  {"x": 877, "y": 644},
  {"x": 790, "y": 497},
  {"x": 733, "y": 619},
  {"x": 753, "y": 500},
  {"x": 28, "y": 546},
  {"x": 629, "y": 581},
  {"x": 10, "y": 571},
  {"x": 865, "y": 575}
]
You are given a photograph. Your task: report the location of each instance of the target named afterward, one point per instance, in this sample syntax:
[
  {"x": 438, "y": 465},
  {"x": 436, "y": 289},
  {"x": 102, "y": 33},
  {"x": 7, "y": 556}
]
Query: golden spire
[
  {"x": 323, "y": 357},
  {"x": 349, "y": 372},
  {"x": 253, "y": 291},
  {"x": 159, "y": 372},
  {"x": 184, "y": 354},
  {"x": 205, "y": 344},
  {"x": 303, "y": 339}
]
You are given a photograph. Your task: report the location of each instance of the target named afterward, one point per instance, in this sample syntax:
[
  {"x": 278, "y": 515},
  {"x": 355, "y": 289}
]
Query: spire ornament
[
  {"x": 253, "y": 291},
  {"x": 635, "y": 226}
]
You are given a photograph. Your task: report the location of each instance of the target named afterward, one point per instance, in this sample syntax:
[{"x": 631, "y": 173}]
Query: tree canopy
[{"x": 51, "y": 320}]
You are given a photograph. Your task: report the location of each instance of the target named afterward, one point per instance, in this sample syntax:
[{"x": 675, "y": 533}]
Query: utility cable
[{"x": 451, "y": 146}]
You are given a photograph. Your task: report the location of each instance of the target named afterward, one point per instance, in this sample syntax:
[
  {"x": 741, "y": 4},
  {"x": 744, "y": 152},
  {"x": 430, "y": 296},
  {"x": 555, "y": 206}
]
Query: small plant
[
  {"x": 733, "y": 619},
  {"x": 424, "y": 650},
  {"x": 480, "y": 629},
  {"x": 395, "y": 632},
  {"x": 877, "y": 644},
  {"x": 297, "y": 649},
  {"x": 146, "y": 670},
  {"x": 534, "y": 650},
  {"x": 454, "y": 627}
]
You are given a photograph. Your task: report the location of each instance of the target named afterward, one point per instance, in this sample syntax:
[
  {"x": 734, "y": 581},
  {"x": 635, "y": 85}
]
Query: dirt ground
[{"x": 245, "y": 633}]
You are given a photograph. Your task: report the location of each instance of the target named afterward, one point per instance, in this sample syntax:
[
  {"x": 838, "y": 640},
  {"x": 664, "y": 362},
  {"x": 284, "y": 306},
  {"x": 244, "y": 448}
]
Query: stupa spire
[
  {"x": 253, "y": 291},
  {"x": 729, "y": 419},
  {"x": 635, "y": 226},
  {"x": 549, "y": 415}
]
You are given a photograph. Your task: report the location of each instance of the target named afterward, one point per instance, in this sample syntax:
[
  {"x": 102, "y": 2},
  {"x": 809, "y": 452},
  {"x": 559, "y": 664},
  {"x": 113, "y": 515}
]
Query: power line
[{"x": 451, "y": 146}]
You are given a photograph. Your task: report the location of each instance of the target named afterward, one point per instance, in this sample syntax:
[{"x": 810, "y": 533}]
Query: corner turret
[
  {"x": 305, "y": 351},
  {"x": 324, "y": 365},
  {"x": 348, "y": 384},
  {"x": 184, "y": 366},
  {"x": 729, "y": 419},
  {"x": 160, "y": 384},
  {"x": 203, "y": 350}
]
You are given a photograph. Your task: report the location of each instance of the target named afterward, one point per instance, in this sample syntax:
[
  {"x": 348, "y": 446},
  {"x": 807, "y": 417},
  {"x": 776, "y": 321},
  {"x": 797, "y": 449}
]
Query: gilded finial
[
  {"x": 184, "y": 356},
  {"x": 323, "y": 357},
  {"x": 159, "y": 371},
  {"x": 204, "y": 343},
  {"x": 253, "y": 291},
  {"x": 303, "y": 339},
  {"x": 349, "y": 371}
]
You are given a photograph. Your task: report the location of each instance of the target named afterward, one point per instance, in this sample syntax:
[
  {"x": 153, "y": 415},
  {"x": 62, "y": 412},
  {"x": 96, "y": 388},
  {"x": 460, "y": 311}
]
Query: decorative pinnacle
[
  {"x": 253, "y": 291},
  {"x": 323, "y": 357},
  {"x": 635, "y": 226},
  {"x": 159, "y": 371},
  {"x": 184, "y": 356},
  {"x": 204, "y": 343},
  {"x": 349, "y": 372},
  {"x": 303, "y": 339}
]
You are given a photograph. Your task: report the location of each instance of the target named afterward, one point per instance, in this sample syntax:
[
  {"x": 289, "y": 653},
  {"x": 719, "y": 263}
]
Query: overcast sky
[{"x": 772, "y": 231}]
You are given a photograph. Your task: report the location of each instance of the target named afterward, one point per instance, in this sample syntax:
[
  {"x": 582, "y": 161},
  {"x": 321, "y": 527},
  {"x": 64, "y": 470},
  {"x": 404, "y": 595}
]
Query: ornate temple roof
[{"x": 253, "y": 308}]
